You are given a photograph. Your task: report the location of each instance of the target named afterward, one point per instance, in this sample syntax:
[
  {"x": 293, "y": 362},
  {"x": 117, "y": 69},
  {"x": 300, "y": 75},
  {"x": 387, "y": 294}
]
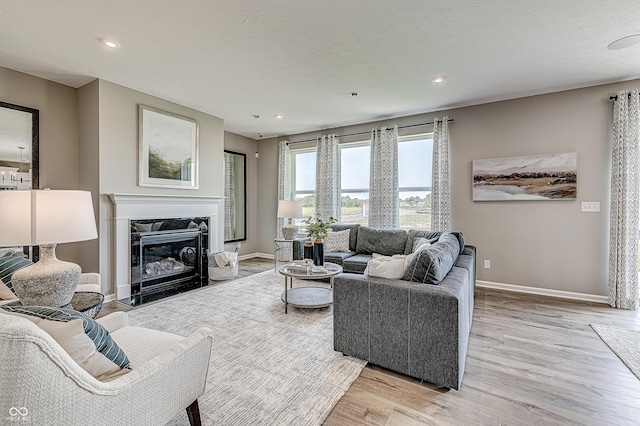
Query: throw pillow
[
  {"x": 431, "y": 264},
  {"x": 337, "y": 242},
  {"x": 5, "y": 292},
  {"x": 143, "y": 227},
  {"x": 9, "y": 265},
  {"x": 86, "y": 341},
  {"x": 391, "y": 267},
  {"x": 420, "y": 243}
]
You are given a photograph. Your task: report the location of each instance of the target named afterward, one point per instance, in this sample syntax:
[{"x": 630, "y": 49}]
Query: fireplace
[
  {"x": 132, "y": 208},
  {"x": 166, "y": 262}
]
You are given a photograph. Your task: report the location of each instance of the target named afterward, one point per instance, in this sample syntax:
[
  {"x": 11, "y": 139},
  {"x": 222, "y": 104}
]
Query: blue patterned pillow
[
  {"x": 9, "y": 265},
  {"x": 86, "y": 341}
]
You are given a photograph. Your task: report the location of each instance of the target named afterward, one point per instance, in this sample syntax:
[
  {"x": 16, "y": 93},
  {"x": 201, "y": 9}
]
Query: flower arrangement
[{"x": 317, "y": 228}]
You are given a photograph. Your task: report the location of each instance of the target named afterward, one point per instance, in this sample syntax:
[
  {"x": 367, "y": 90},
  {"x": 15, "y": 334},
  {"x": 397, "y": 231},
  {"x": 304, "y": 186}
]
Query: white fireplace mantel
[{"x": 127, "y": 207}]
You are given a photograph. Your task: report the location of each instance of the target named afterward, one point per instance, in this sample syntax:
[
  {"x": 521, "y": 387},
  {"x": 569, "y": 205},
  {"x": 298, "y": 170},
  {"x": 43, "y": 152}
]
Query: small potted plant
[{"x": 317, "y": 230}]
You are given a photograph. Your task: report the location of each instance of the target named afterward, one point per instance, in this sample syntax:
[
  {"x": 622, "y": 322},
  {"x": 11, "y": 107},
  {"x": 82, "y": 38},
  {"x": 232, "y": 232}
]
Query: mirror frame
[
  {"x": 244, "y": 193},
  {"x": 35, "y": 140}
]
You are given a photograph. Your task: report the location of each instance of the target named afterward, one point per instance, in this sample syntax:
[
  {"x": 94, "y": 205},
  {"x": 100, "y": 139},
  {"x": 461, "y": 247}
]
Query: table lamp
[
  {"x": 289, "y": 209},
  {"x": 46, "y": 218}
]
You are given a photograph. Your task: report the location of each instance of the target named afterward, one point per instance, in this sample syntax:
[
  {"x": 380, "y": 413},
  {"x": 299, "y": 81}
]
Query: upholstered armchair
[{"x": 42, "y": 383}]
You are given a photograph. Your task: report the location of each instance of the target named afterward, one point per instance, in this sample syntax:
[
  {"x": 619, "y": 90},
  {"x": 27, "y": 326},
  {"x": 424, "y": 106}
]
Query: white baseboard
[
  {"x": 109, "y": 297},
  {"x": 543, "y": 291},
  {"x": 262, "y": 255}
]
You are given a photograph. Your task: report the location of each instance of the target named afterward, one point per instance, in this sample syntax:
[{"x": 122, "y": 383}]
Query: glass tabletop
[{"x": 301, "y": 270}]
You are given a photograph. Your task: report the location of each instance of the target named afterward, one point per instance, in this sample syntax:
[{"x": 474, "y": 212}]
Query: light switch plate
[{"x": 591, "y": 206}]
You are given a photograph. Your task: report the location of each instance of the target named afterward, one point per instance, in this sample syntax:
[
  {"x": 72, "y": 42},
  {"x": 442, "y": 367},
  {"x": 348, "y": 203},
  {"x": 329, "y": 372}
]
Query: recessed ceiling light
[
  {"x": 110, "y": 43},
  {"x": 623, "y": 42},
  {"x": 354, "y": 94},
  {"x": 256, "y": 116},
  {"x": 278, "y": 116},
  {"x": 439, "y": 79}
]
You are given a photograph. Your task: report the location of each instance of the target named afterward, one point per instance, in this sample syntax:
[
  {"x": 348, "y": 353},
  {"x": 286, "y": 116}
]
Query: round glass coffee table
[{"x": 308, "y": 296}]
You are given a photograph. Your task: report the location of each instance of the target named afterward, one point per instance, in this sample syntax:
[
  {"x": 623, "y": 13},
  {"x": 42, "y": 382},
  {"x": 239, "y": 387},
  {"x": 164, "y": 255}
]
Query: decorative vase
[
  {"x": 318, "y": 252},
  {"x": 308, "y": 250}
]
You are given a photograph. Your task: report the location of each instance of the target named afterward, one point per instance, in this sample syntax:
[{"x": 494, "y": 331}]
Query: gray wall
[
  {"x": 244, "y": 145},
  {"x": 58, "y": 134},
  {"x": 116, "y": 141},
  {"x": 543, "y": 244}
]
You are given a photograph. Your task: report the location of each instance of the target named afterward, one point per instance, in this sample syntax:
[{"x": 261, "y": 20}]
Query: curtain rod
[
  {"x": 366, "y": 133},
  {"x": 615, "y": 97}
]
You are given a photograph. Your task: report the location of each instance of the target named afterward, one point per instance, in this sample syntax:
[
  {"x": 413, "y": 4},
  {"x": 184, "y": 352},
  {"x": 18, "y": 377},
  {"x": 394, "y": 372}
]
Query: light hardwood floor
[{"x": 532, "y": 360}]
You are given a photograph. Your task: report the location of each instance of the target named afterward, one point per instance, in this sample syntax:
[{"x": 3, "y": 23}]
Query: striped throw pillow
[
  {"x": 86, "y": 341},
  {"x": 9, "y": 265}
]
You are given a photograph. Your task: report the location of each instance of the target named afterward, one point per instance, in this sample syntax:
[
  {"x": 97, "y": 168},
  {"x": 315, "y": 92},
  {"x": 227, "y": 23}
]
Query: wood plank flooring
[{"x": 532, "y": 360}]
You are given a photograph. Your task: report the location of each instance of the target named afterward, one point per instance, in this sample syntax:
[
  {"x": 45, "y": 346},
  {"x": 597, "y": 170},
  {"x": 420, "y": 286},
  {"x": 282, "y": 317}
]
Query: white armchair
[{"x": 41, "y": 382}]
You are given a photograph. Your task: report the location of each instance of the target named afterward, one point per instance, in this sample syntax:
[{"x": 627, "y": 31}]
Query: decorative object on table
[
  {"x": 168, "y": 149},
  {"x": 46, "y": 218},
  {"x": 289, "y": 209},
  {"x": 534, "y": 177},
  {"x": 300, "y": 266},
  {"x": 317, "y": 230},
  {"x": 318, "y": 252},
  {"x": 308, "y": 250}
]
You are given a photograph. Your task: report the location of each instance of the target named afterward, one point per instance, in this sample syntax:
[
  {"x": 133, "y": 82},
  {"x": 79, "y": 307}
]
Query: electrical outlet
[{"x": 487, "y": 264}]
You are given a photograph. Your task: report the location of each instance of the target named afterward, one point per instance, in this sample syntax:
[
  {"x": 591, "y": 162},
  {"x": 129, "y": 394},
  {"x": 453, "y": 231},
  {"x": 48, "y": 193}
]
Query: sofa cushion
[
  {"x": 432, "y": 236},
  {"x": 383, "y": 241},
  {"x": 356, "y": 264},
  {"x": 338, "y": 257},
  {"x": 9, "y": 265},
  {"x": 353, "y": 235},
  {"x": 433, "y": 263},
  {"x": 85, "y": 340},
  {"x": 337, "y": 241}
]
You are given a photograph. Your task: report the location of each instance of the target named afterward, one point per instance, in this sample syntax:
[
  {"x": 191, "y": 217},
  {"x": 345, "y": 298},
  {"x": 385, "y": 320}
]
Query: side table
[
  {"x": 308, "y": 296},
  {"x": 280, "y": 244},
  {"x": 85, "y": 302}
]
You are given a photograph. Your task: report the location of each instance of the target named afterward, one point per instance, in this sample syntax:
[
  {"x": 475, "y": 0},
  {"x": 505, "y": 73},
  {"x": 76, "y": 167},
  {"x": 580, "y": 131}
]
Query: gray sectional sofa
[{"x": 418, "y": 326}]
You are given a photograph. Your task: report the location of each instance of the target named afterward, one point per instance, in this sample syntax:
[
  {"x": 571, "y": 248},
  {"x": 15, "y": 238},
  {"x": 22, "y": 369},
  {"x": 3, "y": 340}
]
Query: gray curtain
[
  {"x": 284, "y": 190},
  {"x": 229, "y": 197},
  {"x": 623, "y": 221},
  {"x": 384, "y": 205},
  {"x": 440, "y": 188},
  {"x": 328, "y": 177}
]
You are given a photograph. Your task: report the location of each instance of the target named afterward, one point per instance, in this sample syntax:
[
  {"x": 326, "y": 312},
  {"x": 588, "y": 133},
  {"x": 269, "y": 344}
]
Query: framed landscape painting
[
  {"x": 534, "y": 177},
  {"x": 168, "y": 149}
]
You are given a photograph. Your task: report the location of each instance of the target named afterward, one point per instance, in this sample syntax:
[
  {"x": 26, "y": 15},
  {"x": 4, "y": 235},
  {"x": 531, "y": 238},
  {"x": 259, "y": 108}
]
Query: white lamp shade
[
  {"x": 39, "y": 217},
  {"x": 289, "y": 208},
  {"x": 15, "y": 218}
]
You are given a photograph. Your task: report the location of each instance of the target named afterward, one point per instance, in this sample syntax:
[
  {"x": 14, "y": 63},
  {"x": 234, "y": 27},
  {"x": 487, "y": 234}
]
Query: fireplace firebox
[{"x": 166, "y": 262}]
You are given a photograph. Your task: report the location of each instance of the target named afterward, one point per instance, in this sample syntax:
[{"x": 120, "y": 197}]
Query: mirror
[
  {"x": 235, "y": 200},
  {"x": 19, "y": 141}
]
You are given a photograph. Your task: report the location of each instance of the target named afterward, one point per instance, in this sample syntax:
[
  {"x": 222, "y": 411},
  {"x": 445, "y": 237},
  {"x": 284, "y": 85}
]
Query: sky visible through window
[{"x": 414, "y": 159}]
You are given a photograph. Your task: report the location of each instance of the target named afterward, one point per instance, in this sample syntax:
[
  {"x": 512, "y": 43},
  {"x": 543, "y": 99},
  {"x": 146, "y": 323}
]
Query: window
[{"x": 414, "y": 175}]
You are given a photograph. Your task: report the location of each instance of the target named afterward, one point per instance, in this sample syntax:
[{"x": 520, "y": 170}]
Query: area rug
[
  {"x": 267, "y": 367},
  {"x": 624, "y": 343}
]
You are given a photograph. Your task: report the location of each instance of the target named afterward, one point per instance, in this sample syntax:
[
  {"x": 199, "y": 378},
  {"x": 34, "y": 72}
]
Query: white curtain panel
[
  {"x": 328, "y": 177},
  {"x": 229, "y": 197},
  {"x": 440, "y": 187},
  {"x": 384, "y": 205},
  {"x": 284, "y": 190},
  {"x": 623, "y": 225}
]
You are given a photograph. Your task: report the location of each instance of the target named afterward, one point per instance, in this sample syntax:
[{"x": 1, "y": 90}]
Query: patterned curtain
[
  {"x": 440, "y": 189},
  {"x": 623, "y": 221},
  {"x": 328, "y": 177},
  {"x": 384, "y": 205},
  {"x": 284, "y": 190},
  {"x": 229, "y": 197}
]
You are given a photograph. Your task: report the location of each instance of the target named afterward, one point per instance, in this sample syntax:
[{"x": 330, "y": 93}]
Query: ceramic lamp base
[
  {"x": 289, "y": 231},
  {"x": 48, "y": 282}
]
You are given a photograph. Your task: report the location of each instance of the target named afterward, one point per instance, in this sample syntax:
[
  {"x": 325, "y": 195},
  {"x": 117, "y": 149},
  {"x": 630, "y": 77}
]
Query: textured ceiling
[{"x": 302, "y": 58}]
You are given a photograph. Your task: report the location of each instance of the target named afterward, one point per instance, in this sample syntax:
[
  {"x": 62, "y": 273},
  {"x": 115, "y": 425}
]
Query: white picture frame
[{"x": 168, "y": 155}]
